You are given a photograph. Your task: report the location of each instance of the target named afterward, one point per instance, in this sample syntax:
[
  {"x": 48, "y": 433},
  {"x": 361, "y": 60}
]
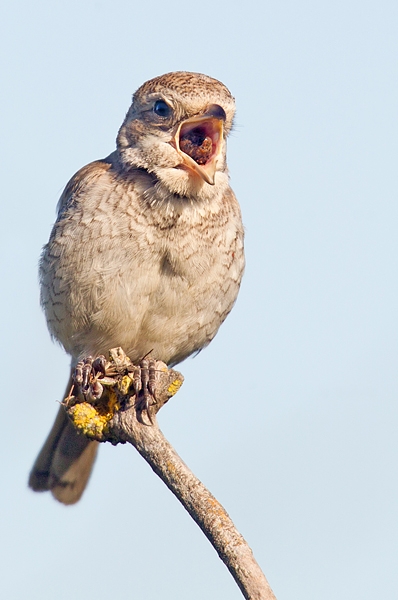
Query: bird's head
[{"x": 176, "y": 128}]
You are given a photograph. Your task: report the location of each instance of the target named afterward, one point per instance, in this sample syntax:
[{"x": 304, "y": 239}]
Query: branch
[{"x": 114, "y": 418}]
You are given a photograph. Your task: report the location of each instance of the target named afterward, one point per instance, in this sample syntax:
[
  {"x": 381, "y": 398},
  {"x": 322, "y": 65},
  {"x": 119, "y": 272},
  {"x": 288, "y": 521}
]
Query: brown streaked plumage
[{"x": 147, "y": 249}]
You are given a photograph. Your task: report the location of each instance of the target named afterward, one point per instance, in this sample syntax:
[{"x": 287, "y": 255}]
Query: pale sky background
[{"x": 290, "y": 416}]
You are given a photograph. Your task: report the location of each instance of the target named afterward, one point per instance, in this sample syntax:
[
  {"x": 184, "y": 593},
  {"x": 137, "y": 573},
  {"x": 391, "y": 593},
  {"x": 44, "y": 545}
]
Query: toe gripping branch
[{"x": 102, "y": 387}]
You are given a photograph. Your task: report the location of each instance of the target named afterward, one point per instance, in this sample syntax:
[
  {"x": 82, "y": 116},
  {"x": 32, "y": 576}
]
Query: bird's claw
[
  {"x": 144, "y": 385},
  {"x": 86, "y": 375}
]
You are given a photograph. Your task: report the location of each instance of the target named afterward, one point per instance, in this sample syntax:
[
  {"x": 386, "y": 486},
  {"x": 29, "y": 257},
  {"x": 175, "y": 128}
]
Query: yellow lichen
[
  {"x": 124, "y": 385},
  {"x": 174, "y": 387},
  {"x": 90, "y": 419},
  {"x": 113, "y": 403},
  {"x": 87, "y": 420},
  {"x": 170, "y": 466}
]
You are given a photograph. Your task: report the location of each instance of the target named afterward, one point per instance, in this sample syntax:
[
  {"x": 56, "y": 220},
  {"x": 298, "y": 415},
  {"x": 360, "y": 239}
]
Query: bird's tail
[{"x": 65, "y": 461}]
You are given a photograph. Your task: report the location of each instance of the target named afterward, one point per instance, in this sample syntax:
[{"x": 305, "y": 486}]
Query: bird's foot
[
  {"x": 144, "y": 385},
  {"x": 86, "y": 377},
  {"x": 92, "y": 375}
]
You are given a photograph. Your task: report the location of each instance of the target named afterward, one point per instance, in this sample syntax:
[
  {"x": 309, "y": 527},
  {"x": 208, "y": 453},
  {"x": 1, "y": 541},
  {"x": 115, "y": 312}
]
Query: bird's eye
[{"x": 161, "y": 109}]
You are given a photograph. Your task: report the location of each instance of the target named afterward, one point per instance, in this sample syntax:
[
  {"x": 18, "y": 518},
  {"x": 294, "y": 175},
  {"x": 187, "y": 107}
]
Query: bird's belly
[
  {"x": 171, "y": 317},
  {"x": 169, "y": 297}
]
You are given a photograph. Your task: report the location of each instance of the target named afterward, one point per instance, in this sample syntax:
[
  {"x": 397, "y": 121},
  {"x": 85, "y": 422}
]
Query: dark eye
[{"x": 161, "y": 109}]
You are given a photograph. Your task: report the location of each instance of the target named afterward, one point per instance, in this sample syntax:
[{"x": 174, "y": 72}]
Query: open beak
[{"x": 199, "y": 142}]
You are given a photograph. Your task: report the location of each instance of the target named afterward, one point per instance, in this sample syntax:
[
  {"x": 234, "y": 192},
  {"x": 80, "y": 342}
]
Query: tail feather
[{"x": 64, "y": 463}]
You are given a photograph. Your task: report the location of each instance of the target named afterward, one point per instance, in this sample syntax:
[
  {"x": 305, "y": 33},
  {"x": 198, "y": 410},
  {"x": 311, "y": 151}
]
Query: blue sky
[{"x": 290, "y": 415}]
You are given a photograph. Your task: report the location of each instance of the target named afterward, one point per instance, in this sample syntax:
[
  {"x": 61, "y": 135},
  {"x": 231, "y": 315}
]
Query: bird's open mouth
[{"x": 198, "y": 141}]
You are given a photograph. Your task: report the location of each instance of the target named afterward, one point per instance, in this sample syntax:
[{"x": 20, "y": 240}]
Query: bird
[{"x": 147, "y": 251}]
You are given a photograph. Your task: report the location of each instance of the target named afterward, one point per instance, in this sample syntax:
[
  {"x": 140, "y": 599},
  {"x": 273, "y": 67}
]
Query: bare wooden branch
[{"x": 114, "y": 418}]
